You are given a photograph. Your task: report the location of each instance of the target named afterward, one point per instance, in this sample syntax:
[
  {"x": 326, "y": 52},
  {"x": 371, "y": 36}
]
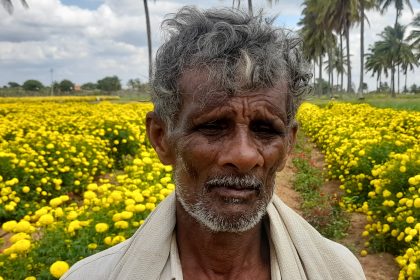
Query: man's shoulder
[{"x": 97, "y": 266}]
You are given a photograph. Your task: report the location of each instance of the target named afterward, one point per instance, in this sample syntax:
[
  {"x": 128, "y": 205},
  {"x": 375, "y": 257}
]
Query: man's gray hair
[{"x": 235, "y": 51}]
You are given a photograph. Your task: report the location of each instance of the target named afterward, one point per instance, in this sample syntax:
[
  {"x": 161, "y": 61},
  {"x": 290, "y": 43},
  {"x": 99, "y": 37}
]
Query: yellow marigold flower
[
  {"x": 23, "y": 226},
  {"x": 19, "y": 236},
  {"x": 108, "y": 240},
  {"x": 137, "y": 162},
  {"x": 117, "y": 239},
  {"x": 74, "y": 225},
  {"x": 140, "y": 207},
  {"x": 412, "y": 181},
  {"x": 26, "y": 189},
  {"x": 58, "y": 268},
  {"x": 46, "y": 219},
  {"x": 58, "y": 212},
  {"x": 410, "y": 219},
  {"x": 147, "y": 160},
  {"x": 89, "y": 195},
  {"x": 126, "y": 215},
  {"x": 363, "y": 253},
  {"x": 9, "y": 226},
  {"x": 92, "y": 246},
  {"x": 55, "y": 202},
  {"x": 386, "y": 193},
  {"x": 50, "y": 146},
  {"x": 22, "y": 245},
  {"x": 101, "y": 227},
  {"x": 409, "y": 203},
  {"x": 116, "y": 217},
  {"x": 417, "y": 202},
  {"x": 72, "y": 215},
  {"x": 403, "y": 169},
  {"x": 30, "y": 278},
  {"x": 121, "y": 224},
  {"x": 408, "y": 238},
  {"x": 92, "y": 187},
  {"x": 150, "y": 206}
]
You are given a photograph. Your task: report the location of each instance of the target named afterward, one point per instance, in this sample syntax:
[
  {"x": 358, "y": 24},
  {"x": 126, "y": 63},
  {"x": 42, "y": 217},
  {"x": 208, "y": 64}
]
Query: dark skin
[{"x": 245, "y": 135}]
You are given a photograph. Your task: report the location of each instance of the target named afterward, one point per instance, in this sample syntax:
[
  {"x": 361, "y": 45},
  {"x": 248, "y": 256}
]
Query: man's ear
[
  {"x": 159, "y": 138},
  {"x": 292, "y": 136}
]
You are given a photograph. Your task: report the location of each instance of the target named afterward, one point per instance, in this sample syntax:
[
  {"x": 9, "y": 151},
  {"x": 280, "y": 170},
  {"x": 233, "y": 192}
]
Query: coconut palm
[
  {"x": 398, "y": 4},
  {"x": 250, "y": 7},
  {"x": 149, "y": 38},
  {"x": 316, "y": 40},
  {"x": 336, "y": 65},
  {"x": 339, "y": 16},
  {"x": 395, "y": 50},
  {"x": 8, "y": 5},
  {"x": 415, "y": 34},
  {"x": 363, "y": 5},
  {"x": 376, "y": 63},
  {"x": 408, "y": 60}
]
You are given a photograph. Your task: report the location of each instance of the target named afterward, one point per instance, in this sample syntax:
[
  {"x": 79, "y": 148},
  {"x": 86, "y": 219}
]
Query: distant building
[{"x": 77, "y": 88}]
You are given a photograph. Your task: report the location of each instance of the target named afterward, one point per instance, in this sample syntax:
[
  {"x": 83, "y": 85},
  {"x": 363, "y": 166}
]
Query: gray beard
[{"x": 217, "y": 222}]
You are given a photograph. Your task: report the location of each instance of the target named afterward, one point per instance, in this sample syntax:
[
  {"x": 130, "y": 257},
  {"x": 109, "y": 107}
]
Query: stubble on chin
[{"x": 198, "y": 205}]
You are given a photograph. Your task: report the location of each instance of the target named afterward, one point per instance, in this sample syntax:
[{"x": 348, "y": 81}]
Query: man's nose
[{"x": 241, "y": 152}]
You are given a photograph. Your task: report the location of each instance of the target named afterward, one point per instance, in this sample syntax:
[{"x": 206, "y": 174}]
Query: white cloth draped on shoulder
[{"x": 298, "y": 251}]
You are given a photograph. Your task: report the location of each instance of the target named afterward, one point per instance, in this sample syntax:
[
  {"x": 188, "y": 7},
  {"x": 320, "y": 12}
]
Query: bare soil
[{"x": 377, "y": 266}]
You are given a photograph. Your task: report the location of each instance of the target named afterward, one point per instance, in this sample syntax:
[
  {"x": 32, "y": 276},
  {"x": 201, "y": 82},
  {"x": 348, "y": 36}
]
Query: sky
[{"x": 85, "y": 41}]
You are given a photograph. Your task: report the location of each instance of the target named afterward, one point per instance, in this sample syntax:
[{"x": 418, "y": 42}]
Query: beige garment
[{"x": 297, "y": 251}]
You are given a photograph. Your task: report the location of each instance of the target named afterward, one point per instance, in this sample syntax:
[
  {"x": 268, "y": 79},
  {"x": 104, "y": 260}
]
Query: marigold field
[
  {"x": 78, "y": 177},
  {"x": 75, "y": 179},
  {"x": 375, "y": 153}
]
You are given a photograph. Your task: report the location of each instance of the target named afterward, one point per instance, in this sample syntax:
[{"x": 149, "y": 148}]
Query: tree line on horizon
[{"x": 108, "y": 84}]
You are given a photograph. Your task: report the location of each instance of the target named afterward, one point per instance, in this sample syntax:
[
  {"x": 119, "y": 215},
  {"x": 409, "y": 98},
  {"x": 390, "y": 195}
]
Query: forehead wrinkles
[{"x": 246, "y": 107}]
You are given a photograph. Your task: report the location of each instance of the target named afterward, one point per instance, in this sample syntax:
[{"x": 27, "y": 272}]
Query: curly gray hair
[{"x": 239, "y": 53}]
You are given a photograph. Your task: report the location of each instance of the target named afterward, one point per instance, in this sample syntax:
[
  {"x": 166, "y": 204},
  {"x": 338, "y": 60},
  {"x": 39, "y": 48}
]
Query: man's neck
[{"x": 221, "y": 255}]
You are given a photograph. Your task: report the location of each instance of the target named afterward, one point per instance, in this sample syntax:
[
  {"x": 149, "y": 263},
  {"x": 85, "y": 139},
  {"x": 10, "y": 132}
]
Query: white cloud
[{"x": 84, "y": 45}]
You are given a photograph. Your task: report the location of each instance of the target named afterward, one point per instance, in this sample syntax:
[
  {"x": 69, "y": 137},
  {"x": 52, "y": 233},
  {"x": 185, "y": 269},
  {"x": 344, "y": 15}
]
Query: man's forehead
[{"x": 197, "y": 88}]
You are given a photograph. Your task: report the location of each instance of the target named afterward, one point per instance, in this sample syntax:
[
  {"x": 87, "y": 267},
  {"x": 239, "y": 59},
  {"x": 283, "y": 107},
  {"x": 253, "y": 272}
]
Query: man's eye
[
  {"x": 265, "y": 129},
  {"x": 212, "y": 128}
]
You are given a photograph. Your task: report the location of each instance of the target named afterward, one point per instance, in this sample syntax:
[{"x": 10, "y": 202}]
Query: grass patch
[
  {"x": 401, "y": 102},
  {"x": 320, "y": 210}
]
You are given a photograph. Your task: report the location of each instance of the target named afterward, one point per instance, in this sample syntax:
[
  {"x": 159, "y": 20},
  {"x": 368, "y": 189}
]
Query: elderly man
[{"x": 226, "y": 89}]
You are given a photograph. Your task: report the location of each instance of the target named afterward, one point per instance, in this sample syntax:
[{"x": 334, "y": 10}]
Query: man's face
[{"x": 227, "y": 154}]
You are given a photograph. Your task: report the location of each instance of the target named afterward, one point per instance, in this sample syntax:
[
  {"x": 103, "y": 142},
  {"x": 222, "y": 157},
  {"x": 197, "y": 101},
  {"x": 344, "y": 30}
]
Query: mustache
[{"x": 246, "y": 182}]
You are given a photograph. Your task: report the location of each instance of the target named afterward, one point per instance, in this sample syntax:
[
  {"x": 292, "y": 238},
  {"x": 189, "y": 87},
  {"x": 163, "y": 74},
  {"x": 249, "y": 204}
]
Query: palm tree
[
  {"x": 149, "y": 38},
  {"x": 8, "y": 5},
  {"x": 250, "y": 10},
  {"x": 339, "y": 15},
  {"x": 312, "y": 37},
  {"x": 414, "y": 36},
  {"x": 376, "y": 63},
  {"x": 363, "y": 5},
  {"x": 398, "y": 4},
  {"x": 408, "y": 60},
  {"x": 250, "y": 7},
  {"x": 336, "y": 65},
  {"x": 395, "y": 51}
]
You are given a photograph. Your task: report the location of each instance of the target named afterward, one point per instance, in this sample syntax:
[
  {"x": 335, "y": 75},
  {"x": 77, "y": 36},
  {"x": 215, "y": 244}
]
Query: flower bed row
[
  {"x": 60, "y": 99},
  {"x": 375, "y": 153},
  {"x": 75, "y": 178}
]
